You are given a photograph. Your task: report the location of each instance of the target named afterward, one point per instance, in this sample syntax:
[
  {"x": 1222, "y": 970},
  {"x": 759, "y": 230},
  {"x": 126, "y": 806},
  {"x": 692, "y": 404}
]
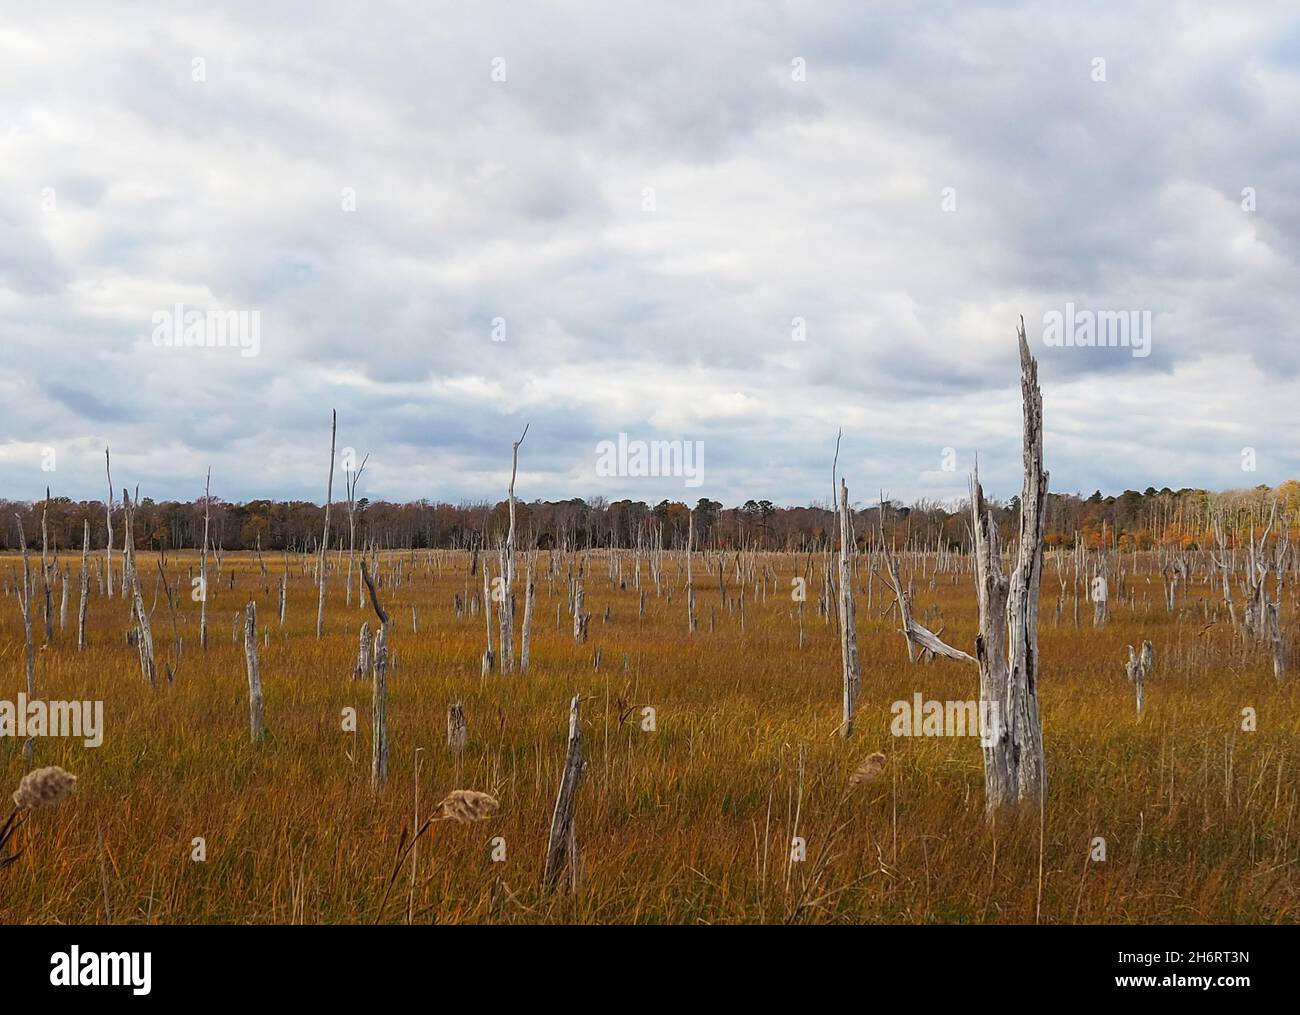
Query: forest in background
[{"x": 1134, "y": 520}]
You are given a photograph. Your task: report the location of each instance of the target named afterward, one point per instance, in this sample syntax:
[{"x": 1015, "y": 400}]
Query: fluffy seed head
[
  {"x": 44, "y": 787},
  {"x": 869, "y": 770},
  {"x": 466, "y": 805}
]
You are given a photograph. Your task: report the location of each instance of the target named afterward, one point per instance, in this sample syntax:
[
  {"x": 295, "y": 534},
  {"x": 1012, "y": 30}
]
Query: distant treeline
[{"x": 1134, "y": 519}]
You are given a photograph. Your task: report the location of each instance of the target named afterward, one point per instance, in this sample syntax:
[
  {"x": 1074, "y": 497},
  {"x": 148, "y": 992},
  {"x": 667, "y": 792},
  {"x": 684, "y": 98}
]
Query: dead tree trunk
[
  {"x": 256, "y": 727},
  {"x": 45, "y": 571},
  {"x": 561, "y": 846},
  {"x": 325, "y": 539},
  {"x": 690, "y": 583},
  {"x": 529, "y": 595},
  {"x": 25, "y": 605},
  {"x": 1138, "y": 668},
  {"x": 203, "y": 565},
  {"x": 108, "y": 520},
  {"x": 457, "y": 733},
  {"x": 362, "y": 668},
  {"x": 580, "y": 617},
  {"x": 1275, "y": 635},
  {"x": 508, "y": 603},
  {"x": 144, "y": 635},
  {"x": 852, "y": 669},
  {"x": 85, "y": 586},
  {"x": 488, "y": 657},
  {"x": 379, "y": 699},
  {"x": 1007, "y": 645}
]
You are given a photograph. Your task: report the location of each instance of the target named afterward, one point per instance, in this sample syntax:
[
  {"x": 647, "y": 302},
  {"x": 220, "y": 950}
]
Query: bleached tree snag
[
  {"x": 852, "y": 669},
  {"x": 1007, "y": 644},
  {"x": 144, "y": 635},
  {"x": 45, "y": 571},
  {"x": 529, "y": 595},
  {"x": 915, "y": 633},
  {"x": 379, "y": 699},
  {"x": 203, "y": 565},
  {"x": 580, "y": 617},
  {"x": 1275, "y": 636},
  {"x": 488, "y": 657},
  {"x": 25, "y": 605},
  {"x": 256, "y": 727},
  {"x": 171, "y": 671},
  {"x": 85, "y": 586},
  {"x": 457, "y": 733},
  {"x": 1138, "y": 668},
  {"x": 350, "y": 485},
  {"x": 362, "y": 669},
  {"x": 561, "y": 845},
  {"x": 379, "y": 711},
  {"x": 508, "y": 603},
  {"x": 325, "y": 539},
  {"x": 108, "y": 520},
  {"x": 690, "y": 583}
]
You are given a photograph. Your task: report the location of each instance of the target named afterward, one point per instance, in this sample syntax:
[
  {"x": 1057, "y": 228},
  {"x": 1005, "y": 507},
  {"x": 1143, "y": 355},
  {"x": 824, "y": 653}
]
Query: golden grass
[{"x": 690, "y": 823}]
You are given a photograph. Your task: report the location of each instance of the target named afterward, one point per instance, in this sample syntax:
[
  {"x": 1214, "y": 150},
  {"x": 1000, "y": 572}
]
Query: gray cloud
[{"x": 647, "y": 203}]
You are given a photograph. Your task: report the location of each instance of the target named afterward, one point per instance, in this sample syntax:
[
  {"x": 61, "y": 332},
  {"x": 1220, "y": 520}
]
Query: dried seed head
[
  {"x": 868, "y": 770},
  {"x": 44, "y": 787},
  {"x": 466, "y": 805}
]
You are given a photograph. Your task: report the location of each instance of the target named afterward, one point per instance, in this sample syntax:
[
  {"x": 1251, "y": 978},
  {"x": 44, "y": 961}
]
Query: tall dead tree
[
  {"x": 45, "y": 571},
  {"x": 25, "y": 605},
  {"x": 1006, "y": 647},
  {"x": 85, "y": 586},
  {"x": 529, "y": 593},
  {"x": 852, "y": 667},
  {"x": 350, "y": 480},
  {"x": 144, "y": 636},
  {"x": 203, "y": 565},
  {"x": 379, "y": 697},
  {"x": 108, "y": 520},
  {"x": 325, "y": 539},
  {"x": 508, "y": 603},
  {"x": 488, "y": 657},
  {"x": 690, "y": 582}
]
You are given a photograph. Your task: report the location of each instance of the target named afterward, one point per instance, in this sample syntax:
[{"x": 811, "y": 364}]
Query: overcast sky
[{"x": 649, "y": 197}]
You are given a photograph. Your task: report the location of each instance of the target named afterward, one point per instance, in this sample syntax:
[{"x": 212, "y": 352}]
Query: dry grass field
[{"x": 689, "y": 823}]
